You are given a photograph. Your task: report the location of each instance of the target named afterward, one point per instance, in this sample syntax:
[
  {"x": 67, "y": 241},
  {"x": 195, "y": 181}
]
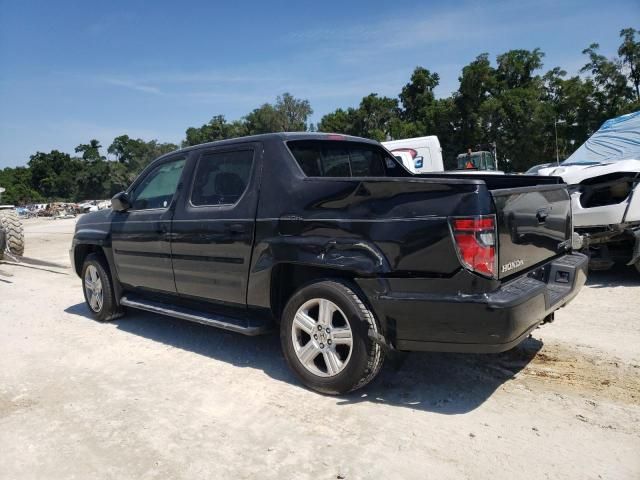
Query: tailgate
[{"x": 534, "y": 225}]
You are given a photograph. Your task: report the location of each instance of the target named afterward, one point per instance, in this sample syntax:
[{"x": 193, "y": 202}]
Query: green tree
[
  {"x": 340, "y": 121},
  {"x": 376, "y": 116},
  {"x": 264, "y": 119},
  {"x": 629, "y": 52},
  {"x": 573, "y": 109},
  {"x": 90, "y": 151},
  {"x": 19, "y": 190},
  {"x": 124, "y": 148},
  {"x": 288, "y": 114},
  {"x": 443, "y": 121},
  {"x": 135, "y": 154},
  {"x": 92, "y": 180},
  {"x": 292, "y": 113},
  {"x": 478, "y": 83},
  {"x": 613, "y": 92},
  {"x": 216, "y": 129},
  {"x": 417, "y": 95},
  {"x": 516, "y": 68},
  {"x": 514, "y": 114},
  {"x": 119, "y": 178},
  {"x": 53, "y": 174}
]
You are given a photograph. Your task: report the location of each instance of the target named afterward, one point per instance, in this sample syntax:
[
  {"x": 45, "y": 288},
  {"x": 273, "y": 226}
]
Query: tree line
[{"x": 511, "y": 102}]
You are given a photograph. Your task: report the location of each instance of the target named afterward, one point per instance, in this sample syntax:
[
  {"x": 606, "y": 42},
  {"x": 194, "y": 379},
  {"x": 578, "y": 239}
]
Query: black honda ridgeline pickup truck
[{"x": 329, "y": 238}]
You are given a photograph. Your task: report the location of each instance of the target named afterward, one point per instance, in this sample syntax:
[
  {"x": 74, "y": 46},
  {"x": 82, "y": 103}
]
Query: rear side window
[
  {"x": 338, "y": 159},
  {"x": 221, "y": 177}
]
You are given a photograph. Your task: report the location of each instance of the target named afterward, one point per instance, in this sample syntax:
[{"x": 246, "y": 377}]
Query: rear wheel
[
  {"x": 325, "y": 338},
  {"x": 11, "y": 224},
  {"x": 98, "y": 291}
]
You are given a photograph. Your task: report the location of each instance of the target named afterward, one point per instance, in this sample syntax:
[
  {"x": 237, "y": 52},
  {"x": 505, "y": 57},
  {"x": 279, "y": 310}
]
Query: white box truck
[{"x": 418, "y": 155}]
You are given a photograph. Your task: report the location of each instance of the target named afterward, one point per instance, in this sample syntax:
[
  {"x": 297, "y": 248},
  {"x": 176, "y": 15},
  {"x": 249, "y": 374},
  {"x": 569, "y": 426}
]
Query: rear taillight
[{"x": 475, "y": 240}]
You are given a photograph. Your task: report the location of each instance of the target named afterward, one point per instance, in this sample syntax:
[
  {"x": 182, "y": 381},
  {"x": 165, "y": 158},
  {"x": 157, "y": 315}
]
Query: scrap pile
[{"x": 60, "y": 210}]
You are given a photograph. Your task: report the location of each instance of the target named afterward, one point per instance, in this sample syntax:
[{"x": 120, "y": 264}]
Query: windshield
[
  {"x": 477, "y": 160},
  {"x": 468, "y": 160}
]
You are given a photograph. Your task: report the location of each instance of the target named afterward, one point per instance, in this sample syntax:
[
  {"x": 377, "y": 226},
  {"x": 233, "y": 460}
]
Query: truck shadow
[
  {"x": 444, "y": 383},
  {"x": 617, "y": 276},
  {"x": 35, "y": 264}
]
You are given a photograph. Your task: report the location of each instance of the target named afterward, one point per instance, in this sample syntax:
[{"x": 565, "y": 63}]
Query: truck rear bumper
[{"x": 480, "y": 322}]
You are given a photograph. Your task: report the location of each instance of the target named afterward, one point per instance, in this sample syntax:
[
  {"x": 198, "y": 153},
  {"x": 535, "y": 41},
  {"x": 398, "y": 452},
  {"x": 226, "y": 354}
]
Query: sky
[{"x": 71, "y": 71}]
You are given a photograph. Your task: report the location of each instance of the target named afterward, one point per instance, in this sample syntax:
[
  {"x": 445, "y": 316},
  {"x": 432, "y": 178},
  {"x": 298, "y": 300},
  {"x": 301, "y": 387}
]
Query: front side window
[
  {"x": 221, "y": 177},
  {"x": 159, "y": 186},
  {"x": 339, "y": 159}
]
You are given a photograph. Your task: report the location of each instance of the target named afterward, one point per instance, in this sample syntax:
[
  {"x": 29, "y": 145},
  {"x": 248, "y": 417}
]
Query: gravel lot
[{"x": 151, "y": 397}]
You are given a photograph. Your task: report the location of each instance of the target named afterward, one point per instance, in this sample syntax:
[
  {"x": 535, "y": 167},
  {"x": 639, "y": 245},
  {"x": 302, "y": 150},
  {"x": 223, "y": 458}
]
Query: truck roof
[{"x": 280, "y": 136}]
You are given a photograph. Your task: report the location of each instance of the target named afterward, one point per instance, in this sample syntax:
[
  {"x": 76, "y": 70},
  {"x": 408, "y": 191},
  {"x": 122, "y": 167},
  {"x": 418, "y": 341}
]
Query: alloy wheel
[
  {"x": 322, "y": 337},
  {"x": 93, "y": 288}
]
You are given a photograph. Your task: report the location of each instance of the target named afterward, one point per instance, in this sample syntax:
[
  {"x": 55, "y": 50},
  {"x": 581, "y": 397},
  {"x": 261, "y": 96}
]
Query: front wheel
[
  {"x": 325, "y": 338},
  {"x": 98, "y": 289}
]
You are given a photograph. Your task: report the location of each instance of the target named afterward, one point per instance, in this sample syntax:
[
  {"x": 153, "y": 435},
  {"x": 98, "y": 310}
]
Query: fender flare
[{"x": 349, "y": 256}]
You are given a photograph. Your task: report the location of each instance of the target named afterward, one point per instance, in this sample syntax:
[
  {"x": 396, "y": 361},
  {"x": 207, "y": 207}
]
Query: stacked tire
[{"x": 14, "y": 234}]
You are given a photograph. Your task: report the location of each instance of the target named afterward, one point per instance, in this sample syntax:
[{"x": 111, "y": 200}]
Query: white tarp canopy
[{"x": 617, "y": 139}]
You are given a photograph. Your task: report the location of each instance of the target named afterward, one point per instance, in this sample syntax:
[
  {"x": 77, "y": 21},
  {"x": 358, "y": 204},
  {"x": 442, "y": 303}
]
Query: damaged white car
[{"x": 604, "y": 177}]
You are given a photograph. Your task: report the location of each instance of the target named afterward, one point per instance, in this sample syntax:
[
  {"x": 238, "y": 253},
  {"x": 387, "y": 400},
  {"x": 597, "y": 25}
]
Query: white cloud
[
  {"x": 352, "y": 43},
  {"x": 132, "y": 85}
]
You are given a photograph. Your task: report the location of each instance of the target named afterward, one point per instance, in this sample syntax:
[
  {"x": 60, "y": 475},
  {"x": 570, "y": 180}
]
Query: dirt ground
[{"x": 151, "y": 397}]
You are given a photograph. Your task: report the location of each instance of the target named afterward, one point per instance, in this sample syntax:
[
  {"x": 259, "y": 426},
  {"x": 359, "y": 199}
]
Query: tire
[
  {"x": 324, "y": 360},
  {"x": 95, "y": 269},
  {"x": 637, "y": 264},
  {"x": 11, "y": 224}
]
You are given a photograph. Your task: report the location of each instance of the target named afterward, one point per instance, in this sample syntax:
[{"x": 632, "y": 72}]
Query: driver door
[{"x": 141, "y": 235}]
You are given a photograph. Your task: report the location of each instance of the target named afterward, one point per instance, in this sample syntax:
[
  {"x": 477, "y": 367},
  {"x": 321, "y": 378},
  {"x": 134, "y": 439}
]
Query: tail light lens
[{"x": 475, "y": 240}]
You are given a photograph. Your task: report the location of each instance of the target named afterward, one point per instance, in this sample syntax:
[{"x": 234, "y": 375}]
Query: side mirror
[{"x": 120, "y": 202}]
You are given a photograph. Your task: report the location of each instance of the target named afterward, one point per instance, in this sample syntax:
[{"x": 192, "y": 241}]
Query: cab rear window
[{"x": 340, "y": 159}]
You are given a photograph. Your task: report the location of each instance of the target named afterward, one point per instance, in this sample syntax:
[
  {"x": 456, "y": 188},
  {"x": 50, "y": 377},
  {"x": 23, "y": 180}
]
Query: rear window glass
[
  {"x": 339, "y": 159},
  {"x": 221, "y": 177}
]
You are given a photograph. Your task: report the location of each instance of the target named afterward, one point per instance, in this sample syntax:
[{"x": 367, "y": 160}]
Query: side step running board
[{"x": 244, "y": 326}]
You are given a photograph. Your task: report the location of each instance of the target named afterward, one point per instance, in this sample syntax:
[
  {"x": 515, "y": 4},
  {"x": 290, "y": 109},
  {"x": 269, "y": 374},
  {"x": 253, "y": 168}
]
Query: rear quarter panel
[{"x": 367, "y": 226}]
